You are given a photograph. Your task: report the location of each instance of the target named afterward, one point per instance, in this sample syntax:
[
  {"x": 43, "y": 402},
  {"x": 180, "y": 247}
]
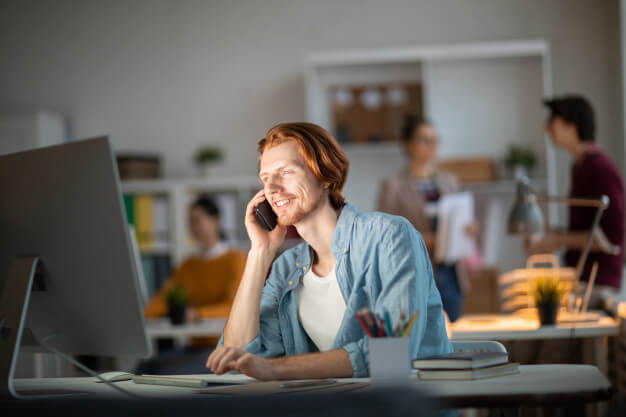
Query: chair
[{"x": 478, "y": 346}]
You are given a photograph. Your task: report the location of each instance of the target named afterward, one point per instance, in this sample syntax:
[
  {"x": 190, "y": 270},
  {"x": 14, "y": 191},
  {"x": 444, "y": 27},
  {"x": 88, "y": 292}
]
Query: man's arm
[
  {"x": 242, "y": 325},
  {"x": 331, "y": 364},
  {"x": 243, "y": 322}
]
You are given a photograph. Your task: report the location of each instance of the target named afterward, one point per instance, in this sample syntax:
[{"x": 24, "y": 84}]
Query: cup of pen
[{"x": 389, "y": 360}]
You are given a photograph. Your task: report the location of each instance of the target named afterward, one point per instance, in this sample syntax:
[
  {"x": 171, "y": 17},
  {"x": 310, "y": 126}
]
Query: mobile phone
[{"x": 265, "y": 215}]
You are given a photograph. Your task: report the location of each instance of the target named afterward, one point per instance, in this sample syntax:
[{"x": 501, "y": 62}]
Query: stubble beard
[{"x": 298, "y": 215}]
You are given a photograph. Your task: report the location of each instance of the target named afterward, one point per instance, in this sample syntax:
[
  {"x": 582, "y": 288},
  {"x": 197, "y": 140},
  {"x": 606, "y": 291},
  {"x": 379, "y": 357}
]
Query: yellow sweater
[{"x": 211, "y": 286}]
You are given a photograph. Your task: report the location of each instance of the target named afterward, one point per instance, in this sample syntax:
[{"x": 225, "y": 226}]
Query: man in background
[{"x": 571, "y": 126}]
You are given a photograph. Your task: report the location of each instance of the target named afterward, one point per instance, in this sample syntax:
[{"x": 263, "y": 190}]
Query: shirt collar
[
  {"x": 216, "y": 251},
  {"x": 341, "y": 237}
]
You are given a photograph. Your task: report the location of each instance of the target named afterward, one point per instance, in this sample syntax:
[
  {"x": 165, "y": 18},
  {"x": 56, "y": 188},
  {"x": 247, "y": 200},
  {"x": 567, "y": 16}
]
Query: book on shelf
[
  {"x": 160, "y": 223},
  {"x": 156, "y": 270},
  {"x": 462, "y": 360},
  {"x": 150, "y": 216},
  {"x": 469, "y": 374},
  {"x": 144, "y": 220}
]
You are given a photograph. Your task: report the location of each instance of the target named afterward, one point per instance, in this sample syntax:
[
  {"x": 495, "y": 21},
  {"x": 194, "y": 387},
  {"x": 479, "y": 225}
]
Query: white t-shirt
[{"x": 320, "y": 308}]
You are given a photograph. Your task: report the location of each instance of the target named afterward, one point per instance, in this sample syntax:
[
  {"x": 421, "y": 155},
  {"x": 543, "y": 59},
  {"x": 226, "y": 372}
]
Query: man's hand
[{"x": 226, "y": 359}]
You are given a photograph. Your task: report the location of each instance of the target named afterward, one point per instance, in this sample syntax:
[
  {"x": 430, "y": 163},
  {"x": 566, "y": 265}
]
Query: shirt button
[
  {"x": 290, "y": 282},
  {"x": 298, "y": 265},
  {"x": 304, "y": 268},
  {"x": 345, "y": 250}
]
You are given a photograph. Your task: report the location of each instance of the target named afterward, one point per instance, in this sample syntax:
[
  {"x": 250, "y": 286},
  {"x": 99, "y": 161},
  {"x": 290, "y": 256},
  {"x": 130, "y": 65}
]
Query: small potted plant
[
  {"x": 207, "y": 155},
  {"x": 177, "y": 303},
  {"x": 520, "y": 161},
  {"x": 547, "y": 294}
]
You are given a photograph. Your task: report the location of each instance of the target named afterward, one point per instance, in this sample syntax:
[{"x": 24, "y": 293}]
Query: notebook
[
  {"x": 462, "y": 360},
  {"x": 469, "y": 374}
]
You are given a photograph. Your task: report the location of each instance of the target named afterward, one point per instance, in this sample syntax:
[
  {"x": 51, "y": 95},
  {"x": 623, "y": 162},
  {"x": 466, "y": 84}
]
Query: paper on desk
[{"x": 455, "y": 212}]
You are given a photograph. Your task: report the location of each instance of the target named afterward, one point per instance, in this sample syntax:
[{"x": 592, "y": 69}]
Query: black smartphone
[{"x": 265, "y": 215}]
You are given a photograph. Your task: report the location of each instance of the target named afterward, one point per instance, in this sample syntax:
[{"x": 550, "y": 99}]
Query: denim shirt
[{"x": 382, "y": 264}]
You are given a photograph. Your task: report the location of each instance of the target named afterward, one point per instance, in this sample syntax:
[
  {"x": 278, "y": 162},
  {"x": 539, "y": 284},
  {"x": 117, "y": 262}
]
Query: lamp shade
[{"x": 525, "y": 215}]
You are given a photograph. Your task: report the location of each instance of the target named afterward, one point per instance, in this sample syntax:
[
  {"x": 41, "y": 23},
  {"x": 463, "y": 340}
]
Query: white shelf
[{"x": 179, "y": 193}]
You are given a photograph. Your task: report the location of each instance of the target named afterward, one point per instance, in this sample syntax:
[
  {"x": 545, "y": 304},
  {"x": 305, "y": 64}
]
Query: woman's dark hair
[
  {"x": 207, "y": 204},
  {"x": 412, "y": 122}
]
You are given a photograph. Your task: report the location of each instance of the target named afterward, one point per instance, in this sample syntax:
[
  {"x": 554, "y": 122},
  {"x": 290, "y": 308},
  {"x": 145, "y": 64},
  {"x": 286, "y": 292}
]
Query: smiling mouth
[{"x": 282, "y": 202}]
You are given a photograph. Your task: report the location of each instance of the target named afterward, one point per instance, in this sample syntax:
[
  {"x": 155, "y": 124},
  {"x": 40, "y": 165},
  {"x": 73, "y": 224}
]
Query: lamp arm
[
  {"x": 602, "y": 202},
  {"x": 583, "y": 256}
]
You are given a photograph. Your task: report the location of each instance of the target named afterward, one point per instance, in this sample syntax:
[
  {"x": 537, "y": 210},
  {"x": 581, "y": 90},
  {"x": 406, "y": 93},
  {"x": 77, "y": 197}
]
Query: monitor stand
[{"x": 13, "y": 306}]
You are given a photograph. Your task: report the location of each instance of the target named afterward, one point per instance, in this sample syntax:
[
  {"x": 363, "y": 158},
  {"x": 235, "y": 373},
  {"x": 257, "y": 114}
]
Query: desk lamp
[{"x": 526, "y": 217}]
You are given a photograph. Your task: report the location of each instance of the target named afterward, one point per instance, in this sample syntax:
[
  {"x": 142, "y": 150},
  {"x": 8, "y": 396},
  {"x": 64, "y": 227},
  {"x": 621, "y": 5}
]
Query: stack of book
[{"x": 465, "y": 366}]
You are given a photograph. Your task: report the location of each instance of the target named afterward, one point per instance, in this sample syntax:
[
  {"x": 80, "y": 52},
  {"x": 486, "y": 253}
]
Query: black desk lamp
[{"x": 526, "y": 217}]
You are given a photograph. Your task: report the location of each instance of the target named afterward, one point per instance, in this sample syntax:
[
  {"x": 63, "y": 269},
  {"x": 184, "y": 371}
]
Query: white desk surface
[
  {"x": 533, "y": 380},
  {"x": 162, "y": 327},
  {"x": 512, "y": 327}
]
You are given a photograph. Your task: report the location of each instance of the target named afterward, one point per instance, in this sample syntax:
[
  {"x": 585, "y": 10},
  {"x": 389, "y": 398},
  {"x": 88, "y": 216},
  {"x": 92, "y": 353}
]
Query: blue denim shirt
[{"x": 382, "y": 264}]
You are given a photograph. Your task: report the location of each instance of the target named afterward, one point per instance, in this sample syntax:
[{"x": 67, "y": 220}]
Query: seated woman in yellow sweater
[{"x": 210, "y": 276}]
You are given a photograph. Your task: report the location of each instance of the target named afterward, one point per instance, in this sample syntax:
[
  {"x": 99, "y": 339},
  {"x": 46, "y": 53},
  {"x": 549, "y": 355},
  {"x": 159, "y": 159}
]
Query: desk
[
  {"x": 508, "y": 327},
  {"x": 535, "y": 385}
]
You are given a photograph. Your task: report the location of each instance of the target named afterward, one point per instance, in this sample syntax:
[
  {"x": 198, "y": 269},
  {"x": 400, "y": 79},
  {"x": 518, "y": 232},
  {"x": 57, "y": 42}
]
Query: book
[
  {"x": 160, "y": 218},
  {"x": 462, "y": 360},
  {"x": 469, "y": 374},
  {"x": 129, "y": 205},
  {"x": 144, "y": 223}
]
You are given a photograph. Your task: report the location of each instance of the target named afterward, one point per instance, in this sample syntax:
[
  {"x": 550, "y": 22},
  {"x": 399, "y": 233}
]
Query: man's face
[
  {"x": 290, "y": 186},
  {"x": 563, "y": 134}
]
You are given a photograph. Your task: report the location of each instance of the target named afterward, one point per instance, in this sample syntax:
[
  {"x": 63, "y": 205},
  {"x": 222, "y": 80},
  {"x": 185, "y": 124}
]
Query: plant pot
[
  {"x": 177, "y": 314},
  {"x": 547, "y": 313}
]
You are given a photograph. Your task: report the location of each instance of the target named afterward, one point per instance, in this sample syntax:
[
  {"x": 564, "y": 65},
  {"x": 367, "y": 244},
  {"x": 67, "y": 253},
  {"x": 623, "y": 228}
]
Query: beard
[{"x": 298, "y": 214}]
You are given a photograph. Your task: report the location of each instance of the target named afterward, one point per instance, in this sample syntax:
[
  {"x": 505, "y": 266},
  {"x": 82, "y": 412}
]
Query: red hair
[{"x": 320, "y": 151}]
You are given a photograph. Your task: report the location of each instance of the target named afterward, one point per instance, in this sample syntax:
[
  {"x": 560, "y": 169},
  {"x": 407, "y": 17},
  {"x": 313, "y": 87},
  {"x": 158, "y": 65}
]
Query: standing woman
[{"x": 414, "y": 193}]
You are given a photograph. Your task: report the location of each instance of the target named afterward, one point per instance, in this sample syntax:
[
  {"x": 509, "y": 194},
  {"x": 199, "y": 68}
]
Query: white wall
[
  {"x": 167, "y": 76},
  {"x": 482, "y": 106}
]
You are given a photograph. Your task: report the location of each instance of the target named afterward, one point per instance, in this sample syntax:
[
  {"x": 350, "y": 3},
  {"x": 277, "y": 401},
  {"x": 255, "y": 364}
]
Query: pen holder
[{"x": 389, "y": 361}]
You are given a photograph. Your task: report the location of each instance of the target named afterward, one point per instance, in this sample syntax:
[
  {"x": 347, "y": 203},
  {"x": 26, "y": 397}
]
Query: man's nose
[{"x": 272, "y": 185}]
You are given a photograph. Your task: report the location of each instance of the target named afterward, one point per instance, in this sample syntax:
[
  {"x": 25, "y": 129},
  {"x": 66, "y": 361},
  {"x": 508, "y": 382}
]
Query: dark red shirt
[{"x": 595, "y": 174}]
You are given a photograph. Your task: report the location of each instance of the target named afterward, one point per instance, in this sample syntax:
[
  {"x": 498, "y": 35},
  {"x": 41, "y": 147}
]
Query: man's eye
[{"x": 285, "y": 172}]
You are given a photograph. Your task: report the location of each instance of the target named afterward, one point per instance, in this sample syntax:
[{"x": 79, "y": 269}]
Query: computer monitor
[{"x": 66, "y": 261}]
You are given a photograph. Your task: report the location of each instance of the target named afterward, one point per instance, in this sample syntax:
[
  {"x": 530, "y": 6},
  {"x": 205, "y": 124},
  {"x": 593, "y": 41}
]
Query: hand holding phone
[
  {"x": 265, "y": 215},
  {"x": 261, "y": 224}
]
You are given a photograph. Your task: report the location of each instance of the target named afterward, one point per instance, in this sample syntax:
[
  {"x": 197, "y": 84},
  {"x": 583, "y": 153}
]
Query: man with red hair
[{"x": 301, "y": 322}]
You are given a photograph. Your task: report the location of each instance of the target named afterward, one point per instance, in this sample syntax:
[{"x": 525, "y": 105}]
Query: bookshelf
[{"x": 158, "y": 211}]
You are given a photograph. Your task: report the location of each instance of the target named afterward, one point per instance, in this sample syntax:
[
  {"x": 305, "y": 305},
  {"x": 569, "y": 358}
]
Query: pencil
[
  {"x": 365, "y": 326},
  {"x": 388, "y": 327},
  {"x": 398, "y": 327},
  {"x": 407, "y": 328}
]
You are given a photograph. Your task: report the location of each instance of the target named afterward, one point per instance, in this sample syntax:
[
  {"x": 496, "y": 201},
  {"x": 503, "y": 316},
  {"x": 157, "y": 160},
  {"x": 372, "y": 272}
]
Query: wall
[{"x": 169, "y": 75}]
